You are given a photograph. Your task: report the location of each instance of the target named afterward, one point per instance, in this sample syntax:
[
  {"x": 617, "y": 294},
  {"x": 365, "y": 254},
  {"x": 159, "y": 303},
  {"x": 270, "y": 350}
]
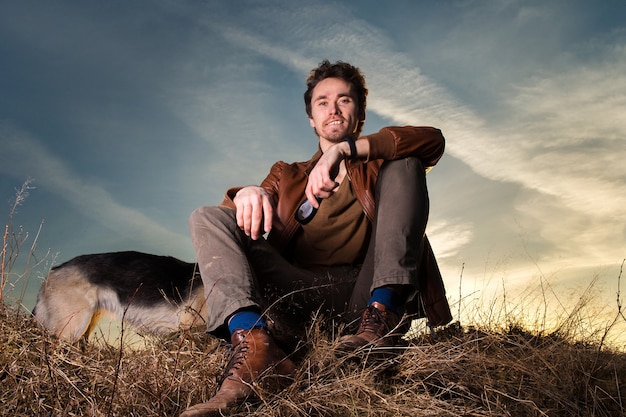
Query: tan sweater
[{"x": 337, "y": 235}]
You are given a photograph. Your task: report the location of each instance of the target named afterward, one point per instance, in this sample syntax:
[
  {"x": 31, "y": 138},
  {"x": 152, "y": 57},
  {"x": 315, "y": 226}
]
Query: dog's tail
[{"x": 33, "y": 312}]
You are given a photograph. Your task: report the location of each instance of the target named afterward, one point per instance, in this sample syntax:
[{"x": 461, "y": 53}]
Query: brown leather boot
[
  {"x": 375, "y": 329},
  {"x": 255, "y": 355}
]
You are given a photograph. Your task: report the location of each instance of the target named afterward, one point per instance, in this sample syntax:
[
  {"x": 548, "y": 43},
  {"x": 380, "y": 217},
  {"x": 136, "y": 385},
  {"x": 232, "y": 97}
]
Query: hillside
[{"x": 458, "y": 372}]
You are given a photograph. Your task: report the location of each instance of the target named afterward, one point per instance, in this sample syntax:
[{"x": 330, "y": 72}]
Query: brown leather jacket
[{"x": 286, "y": 183}]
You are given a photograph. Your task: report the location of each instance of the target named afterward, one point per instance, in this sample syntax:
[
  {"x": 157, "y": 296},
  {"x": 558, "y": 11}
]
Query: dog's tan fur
[{"x": 70, "y": 306}]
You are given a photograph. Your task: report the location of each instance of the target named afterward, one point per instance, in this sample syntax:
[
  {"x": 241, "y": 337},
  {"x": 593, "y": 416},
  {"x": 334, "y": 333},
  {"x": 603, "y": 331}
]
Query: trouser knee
[
  {"x": 212, "y": 215},
  {"x": 408, "y": 168},
  {"x": 402, "y": 181}
]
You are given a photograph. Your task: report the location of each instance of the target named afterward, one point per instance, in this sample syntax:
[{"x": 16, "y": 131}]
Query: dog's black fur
[
  {"x": 156, "y": 293},
  {"x": 141, "y": 277}
]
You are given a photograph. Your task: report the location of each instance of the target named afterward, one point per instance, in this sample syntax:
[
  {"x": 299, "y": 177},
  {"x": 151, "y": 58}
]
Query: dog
[{"x": 156, "y": 294}]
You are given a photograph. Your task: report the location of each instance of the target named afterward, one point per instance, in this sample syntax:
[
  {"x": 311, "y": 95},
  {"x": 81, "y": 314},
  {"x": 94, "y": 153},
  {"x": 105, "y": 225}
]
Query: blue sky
[{"x": 128, "y": 115}]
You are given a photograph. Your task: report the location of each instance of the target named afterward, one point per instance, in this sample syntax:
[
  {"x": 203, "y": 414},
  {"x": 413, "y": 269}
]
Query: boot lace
[
  {"x": 374, "y": 321},
  {"x": 238, "y": 357}
]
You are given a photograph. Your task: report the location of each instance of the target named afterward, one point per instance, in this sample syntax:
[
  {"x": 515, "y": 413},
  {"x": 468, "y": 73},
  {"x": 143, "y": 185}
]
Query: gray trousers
[{"x": 238, "y": 272}]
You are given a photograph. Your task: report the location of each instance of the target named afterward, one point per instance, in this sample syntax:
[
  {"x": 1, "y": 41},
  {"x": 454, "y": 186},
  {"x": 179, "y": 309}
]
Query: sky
[{"x": 126, "y": 116}]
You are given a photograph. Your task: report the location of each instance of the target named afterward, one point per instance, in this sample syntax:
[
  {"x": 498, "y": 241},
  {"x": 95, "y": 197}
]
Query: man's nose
[{"x": 334, "y": 109}]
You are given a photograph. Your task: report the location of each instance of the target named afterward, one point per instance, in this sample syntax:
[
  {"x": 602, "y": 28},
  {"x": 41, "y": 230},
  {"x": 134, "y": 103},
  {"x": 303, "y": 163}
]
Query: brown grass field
[
  {"x": 457, "y": 372},
  {"x": 496, "y": 369}
]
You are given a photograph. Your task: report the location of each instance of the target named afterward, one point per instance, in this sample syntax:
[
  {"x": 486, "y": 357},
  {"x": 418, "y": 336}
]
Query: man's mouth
[{"x": 334, "y": 122}]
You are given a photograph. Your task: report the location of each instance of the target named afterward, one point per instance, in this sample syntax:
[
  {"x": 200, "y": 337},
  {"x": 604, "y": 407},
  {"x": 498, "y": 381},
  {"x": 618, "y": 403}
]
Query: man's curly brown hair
[{"x": 344, "y": 71}]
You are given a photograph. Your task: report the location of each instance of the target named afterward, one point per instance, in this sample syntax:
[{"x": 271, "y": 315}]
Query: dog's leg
[
  {"x": 95, "y": 318},
  {"x": 66, "y": 304},
  {"x": 194, "y": 311}
]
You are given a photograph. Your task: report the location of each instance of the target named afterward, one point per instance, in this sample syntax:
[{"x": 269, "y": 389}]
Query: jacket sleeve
[
  {"x": 270, "y": 183},
  {"x": 228, "y": 197},
  {"x": 425, "y": 143}
]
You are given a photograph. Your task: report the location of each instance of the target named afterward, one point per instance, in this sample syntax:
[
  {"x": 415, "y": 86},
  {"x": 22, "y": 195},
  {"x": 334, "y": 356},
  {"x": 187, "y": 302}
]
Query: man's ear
[{"x": 311, "y": 122}]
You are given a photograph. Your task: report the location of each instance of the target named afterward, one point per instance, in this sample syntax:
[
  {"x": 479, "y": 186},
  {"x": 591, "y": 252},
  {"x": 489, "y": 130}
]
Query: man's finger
[
  {"x": 268, "y": 215},
  {"x": 239, "y": 214},
  {"x": 247, "y": 213},
  {"x": 255, "y": 219}
]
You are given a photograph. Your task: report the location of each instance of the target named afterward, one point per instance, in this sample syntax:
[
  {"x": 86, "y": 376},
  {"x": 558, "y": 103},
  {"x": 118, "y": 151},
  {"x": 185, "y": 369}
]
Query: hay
[{"x": 461, "y": 372}]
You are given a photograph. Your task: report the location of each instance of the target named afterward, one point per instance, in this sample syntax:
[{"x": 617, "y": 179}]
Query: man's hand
[
  {"x": 324, "y": 177},
  {"x": 255, "y": 211}
]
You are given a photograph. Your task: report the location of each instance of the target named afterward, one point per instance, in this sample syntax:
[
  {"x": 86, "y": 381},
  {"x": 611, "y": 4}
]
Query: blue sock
[
  {"x": 391, "y": 299},
  {"x": 246, "y": 320}
]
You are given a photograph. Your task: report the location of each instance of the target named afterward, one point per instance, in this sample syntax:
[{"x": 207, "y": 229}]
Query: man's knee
[
  {"x": 404, "y": 166},
  {"x": 402, "y": 175},
  {"x": 211, "y": 215}
]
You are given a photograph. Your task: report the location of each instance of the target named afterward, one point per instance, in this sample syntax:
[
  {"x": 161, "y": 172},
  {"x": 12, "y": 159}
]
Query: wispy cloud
[
  {"x": 571, "y": 129},
  {"x": 449, "y": 238},
  {"x": 559, "y": 132},
  {"x": 24, "y": 156},
  {"x": 530, "y": 104}
]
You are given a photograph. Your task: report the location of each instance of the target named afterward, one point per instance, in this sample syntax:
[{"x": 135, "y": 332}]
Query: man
[{"x": 364, "y": 250}]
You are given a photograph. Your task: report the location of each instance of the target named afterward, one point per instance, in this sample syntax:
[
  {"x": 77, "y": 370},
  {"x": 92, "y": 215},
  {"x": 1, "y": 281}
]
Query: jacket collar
[{"x": 313, "y": 161}]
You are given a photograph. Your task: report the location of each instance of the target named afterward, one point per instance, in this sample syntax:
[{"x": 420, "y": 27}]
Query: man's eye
[{"x": 322, "y": 103}]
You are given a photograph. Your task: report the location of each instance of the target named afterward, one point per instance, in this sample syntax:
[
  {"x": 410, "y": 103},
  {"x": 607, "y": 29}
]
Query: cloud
[
  {"x": 573, "y": 134},
  {"x": 533, "y": 110},
  {"x": 24, "y": 156},
  {"x": 448, "y": 238},
  {"x": 559, "y": 131}
]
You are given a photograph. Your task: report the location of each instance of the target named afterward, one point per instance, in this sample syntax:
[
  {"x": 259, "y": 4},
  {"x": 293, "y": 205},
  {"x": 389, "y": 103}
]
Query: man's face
[{"x": 334, "y": 110}]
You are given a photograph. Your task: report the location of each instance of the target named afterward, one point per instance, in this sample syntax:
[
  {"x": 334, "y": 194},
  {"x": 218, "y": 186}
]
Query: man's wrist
[{"x": 352, "y": 146}]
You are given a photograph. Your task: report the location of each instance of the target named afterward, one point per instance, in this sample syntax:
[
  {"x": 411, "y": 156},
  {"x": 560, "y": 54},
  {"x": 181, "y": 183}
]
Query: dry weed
[{"x": 461, "y": 372}]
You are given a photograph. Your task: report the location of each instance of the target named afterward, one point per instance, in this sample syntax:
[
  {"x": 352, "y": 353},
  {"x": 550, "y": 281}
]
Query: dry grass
[
  {"x": 462, "y": 372},
  {"x": 493, "y": 370}
]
